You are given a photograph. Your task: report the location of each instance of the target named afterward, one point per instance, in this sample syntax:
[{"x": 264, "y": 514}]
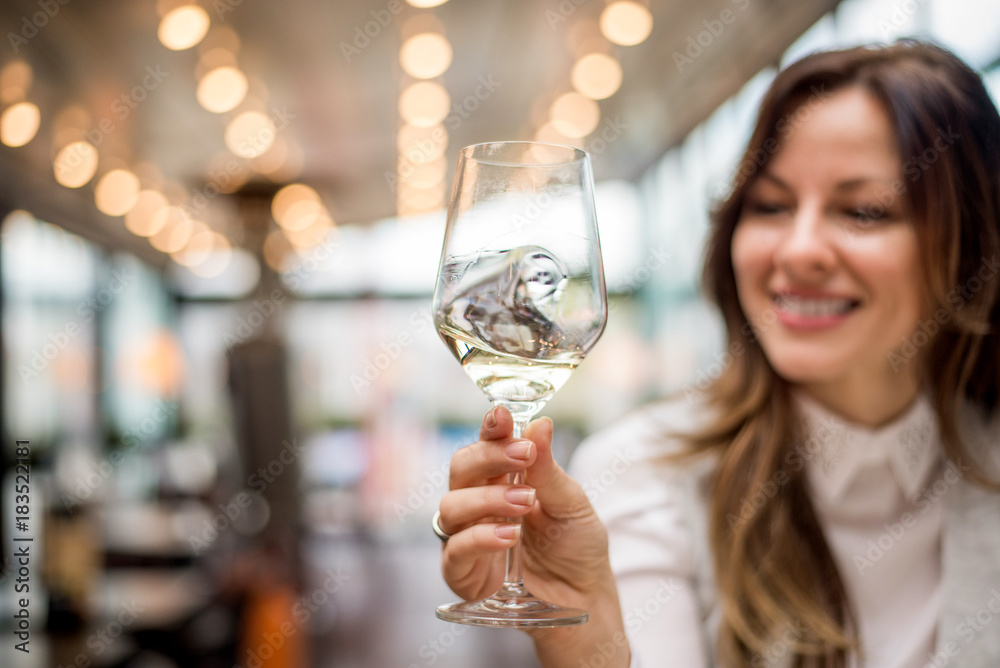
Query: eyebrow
[{"x": 851, "y": 184}]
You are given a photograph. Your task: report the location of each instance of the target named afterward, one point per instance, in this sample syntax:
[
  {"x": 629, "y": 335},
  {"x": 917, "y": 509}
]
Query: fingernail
[
  {"x": 520, "y": 496},
  {"x": 508, "y": 531},
  {"x": 519, "y": 450},
  {"x": 491, "y": 418}
]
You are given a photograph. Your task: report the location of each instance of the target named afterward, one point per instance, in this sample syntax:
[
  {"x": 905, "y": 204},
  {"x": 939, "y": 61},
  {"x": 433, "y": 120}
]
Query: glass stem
[{"x": 513, "y": 582}]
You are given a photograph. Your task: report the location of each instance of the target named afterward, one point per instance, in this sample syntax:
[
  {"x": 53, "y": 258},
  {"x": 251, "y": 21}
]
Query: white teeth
[{"x": 813, "y": 308}]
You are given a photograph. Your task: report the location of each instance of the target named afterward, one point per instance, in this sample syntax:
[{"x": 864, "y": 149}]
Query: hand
[{"x": 564, "y": 544}]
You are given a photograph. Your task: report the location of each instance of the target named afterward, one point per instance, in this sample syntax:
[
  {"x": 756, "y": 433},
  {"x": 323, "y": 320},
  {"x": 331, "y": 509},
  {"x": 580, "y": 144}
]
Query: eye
[
  {"x": 869, "y": 213},
  {"x": 766, "y": 208}
]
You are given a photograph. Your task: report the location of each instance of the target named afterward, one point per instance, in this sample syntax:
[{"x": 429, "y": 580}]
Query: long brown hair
[{"x": 775, "y": 572}]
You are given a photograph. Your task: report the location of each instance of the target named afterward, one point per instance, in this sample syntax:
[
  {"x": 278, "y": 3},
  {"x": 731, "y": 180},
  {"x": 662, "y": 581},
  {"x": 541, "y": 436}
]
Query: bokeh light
[
  {"x": 250, "y": 134},
  {"x": 626, "y": 23},
  {"x": 183, "y": 27},
  {"x": 141, "y": 218},
  {"x": 301, "y": 215},
  {"x": 426, "y": 55},
  {"x": 574, "y": 115},
  {"x": 117, "y": 192},
  {"x": 19, "y": 124},
  {"x": 597, "y": 76},
  {"x": 291, "y": 194},
  {"x": 424, "y": 104},
  {"x": 174, "y": 229},
  {"x": 75, "y": 164},
  {"x": 419, "y": 145},
  {"x": 152, "y": 363},
  {"x": 222, "y": 89}
]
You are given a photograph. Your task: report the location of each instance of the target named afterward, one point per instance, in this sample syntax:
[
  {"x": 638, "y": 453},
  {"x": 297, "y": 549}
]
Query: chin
[{"x": 806, "y": 368}]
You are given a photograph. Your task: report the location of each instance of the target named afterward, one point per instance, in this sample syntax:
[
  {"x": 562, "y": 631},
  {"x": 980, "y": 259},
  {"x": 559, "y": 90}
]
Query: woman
[{"x": 832, "y": 498}]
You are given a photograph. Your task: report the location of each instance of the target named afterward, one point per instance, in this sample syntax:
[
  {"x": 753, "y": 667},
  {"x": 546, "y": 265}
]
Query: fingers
[
  {"x": 558, "y": 493},
  {"x": 465, "y": 546},
  {"x": 495, "y": 454},
  {"x": 497, "y": 424},
  {"x": 480, "y": 462},
  {"x": 462, "y": 508}
]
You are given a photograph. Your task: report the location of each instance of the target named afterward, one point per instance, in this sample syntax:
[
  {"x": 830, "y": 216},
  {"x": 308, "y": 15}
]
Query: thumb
[{"x": 558, "y": 493}]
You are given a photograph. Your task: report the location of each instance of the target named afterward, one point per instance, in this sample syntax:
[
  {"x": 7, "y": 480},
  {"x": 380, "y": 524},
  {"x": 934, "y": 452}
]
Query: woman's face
[{"x": 826, "y": 260}]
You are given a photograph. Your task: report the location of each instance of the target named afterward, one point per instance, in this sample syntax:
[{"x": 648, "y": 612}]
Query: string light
[
  {"x": 574, "y": 115},
  {"x": 250, "y": 134},
  {"x": 222, "y": 89},
  {"x": 75, "y": 164},
  {"x": 424, "y": 104},
  {"x": 183, "y": 27},
  {"x": 117, "y": 192},
  {"x": 626, "y": 23},
  {"x": 19, "y": 124},
  {"x": 140, "y": 218},
  {"x": 426, "y": 55},
  {"x": 177, "y": 227},
  {"x": 290, "y": 195},
  {"x": 597, "y": 76}
]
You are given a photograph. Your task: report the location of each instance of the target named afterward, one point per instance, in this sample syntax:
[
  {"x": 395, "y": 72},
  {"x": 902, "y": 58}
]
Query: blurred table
[
  {"x": 155, "y": 534},
  {"x": 143, "y": 598}
]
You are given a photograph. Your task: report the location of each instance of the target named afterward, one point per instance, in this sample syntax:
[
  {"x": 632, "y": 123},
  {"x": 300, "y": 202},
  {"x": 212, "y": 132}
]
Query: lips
[{"x": 812, "y": 312}]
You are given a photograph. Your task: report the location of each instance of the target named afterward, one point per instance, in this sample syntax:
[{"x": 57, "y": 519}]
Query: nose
[{"x": 806, "y": 252}]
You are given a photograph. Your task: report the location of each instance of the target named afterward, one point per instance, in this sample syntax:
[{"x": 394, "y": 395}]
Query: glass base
[{"x": 511, "y": 608}]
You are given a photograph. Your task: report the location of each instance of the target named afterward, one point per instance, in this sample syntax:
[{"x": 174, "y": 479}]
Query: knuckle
[
  {"x": 449, "y": 559},
  {"x": 484, "y": 457},
  {"x": 458, "y": 464},
  {"x": 487, "y": 496}
]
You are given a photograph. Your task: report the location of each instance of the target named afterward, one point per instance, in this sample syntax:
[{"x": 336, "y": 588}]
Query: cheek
[
  {"x": 910, "y": 295},
  {"x": 752, "y": 256},
  {"x": 892, "y": 266}
]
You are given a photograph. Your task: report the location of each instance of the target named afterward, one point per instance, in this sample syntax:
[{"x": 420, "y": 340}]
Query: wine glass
[{"x": 520, "y": 300}]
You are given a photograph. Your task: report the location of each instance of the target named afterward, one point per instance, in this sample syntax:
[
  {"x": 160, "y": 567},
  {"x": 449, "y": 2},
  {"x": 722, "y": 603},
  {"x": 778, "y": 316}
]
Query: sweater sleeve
[{"x": 651, "y": 552}]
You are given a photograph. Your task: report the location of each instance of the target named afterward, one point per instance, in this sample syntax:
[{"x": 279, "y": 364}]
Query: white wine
[
  {"x": 499, "y": 317},
  {"x": 510, "y": 378}
]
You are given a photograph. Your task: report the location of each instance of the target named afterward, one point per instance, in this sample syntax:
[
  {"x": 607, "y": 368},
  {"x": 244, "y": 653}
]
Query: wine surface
[
  {"x": 509, "y": 378},
  {"x": 499, "y": 317}
]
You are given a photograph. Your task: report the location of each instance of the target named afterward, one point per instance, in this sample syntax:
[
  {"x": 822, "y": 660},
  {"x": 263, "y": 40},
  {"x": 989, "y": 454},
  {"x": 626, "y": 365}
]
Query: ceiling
[{"x": 339, "y": 104}]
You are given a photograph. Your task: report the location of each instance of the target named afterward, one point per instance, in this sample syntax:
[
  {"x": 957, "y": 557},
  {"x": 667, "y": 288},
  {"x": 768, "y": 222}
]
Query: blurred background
[{"x": 221, "y": 223}]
